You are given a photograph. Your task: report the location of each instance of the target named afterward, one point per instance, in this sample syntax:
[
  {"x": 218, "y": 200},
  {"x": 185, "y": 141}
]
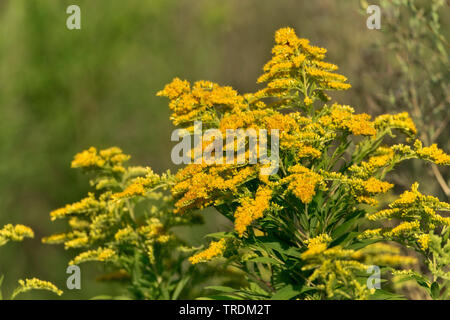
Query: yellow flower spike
[
  {"x": 15, "y": 233},
  {"x": 85, "y": 206},
  {"x": 434, "y": 154},
  {"x": 424, "y": 241},
  {"x": 215, "y": 249},
  {"x": 334, "y": 268},
  {"x": 417, "y": 214},
  {"x": 374, "y": 186},
  {"x": 35, "y": 284},
  {"x": 112, "y": 158},
  {"x": 401, "y": 121},
  {"x": 343, "y": 117},
  {"x": 153, "y": 228},
  {"x": 101, "y": 254},
  {"x": 78, "y": 242},
  {"x": 87, "y": 158},
  {"x": 404, "y": 228},
  {"x": 293, "y": 58},
  {"x": 303, "y": 182},
  {"x": 126, "y": 234},
  {"x": 383, "y": 254},
  {"x": 58, "y": 238},
  {"x": 308, "y": 101},
  {"x": 199, "y": 102},
  {"x": 175, "y": 89},
  {"x": 252, "y": 209},
  {"x": 320, "y": 239}
]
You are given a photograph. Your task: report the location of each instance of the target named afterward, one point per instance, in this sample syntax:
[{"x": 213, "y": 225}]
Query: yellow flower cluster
[
  {"x": 418, "y": 216},
  {"x": 381, "y": 158},
  {"x": 401, "y": 121},
  {"x": 303, "y": 182},
  {"x": 335, "y": 271},
  {"x": 216, "y": 248},
  {"x": 252, "y": 209},
  {"x": 343, "y": 117},
  {"x": 129, "y": 216},
  {"x": 108, "y": 159},
  {"x": 200, "y": 102},
  {"x": 296, "y": 66},
  {"x": 86, "y": 206},
  {"x": 304, "y": 139},
  {"x": 126, "y": 234},
  {"x": 198, "y": 186},
  {"x": 14, "y": 233},
  {"x": 101, "y": 254},
  {"x": 432, "y": 153},
  {"x": 139, "y": 185},
  {"x": 35, "y": 284},
  {"x": 322, "y": 238},
  {"x": 360, "y": 189},
  {"x": 424, "y": 241},
  {"x": 154, "y": 231},
  {"x": 383, "y": 254},
  {"x": 374, "y": 186}
]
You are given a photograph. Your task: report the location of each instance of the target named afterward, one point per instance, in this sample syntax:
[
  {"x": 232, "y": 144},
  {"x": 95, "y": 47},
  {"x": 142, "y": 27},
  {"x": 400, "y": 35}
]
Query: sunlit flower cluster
[
  {"x": 418, "y": 217},
  {"x": 35, "y": 284},
  {"x": 14, "y": 233},
  {"x": 298, "y": 65},
  {"x": 215, "y": 249},
  {"x": 109, "y": 224}
]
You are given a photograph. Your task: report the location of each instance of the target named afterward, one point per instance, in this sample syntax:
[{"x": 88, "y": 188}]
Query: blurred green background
[{"x": 62, "y": 91}]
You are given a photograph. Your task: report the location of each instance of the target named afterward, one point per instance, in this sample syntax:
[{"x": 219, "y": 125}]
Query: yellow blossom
[
  {"x": 303, "y": 182},
  {"x": 35, "y": 284},
  {"x": 252, "y": 209},
  {"x": 215, "y": 249},
  {"x": 14, "y": 233},
  {"x": 101, "y": 254}
]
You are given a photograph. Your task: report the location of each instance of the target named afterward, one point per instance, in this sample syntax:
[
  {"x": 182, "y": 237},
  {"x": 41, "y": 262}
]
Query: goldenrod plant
[
  {"x": 125, "y": 222},
  {"x": 303, "y": 232},
  {"x": 18, "y": 233}
]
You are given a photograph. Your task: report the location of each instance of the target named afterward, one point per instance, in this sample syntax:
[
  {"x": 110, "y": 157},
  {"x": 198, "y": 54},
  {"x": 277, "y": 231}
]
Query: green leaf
[
  {"x": 267, "y": 260},
  {"x": 106, "y": 297},
  {"x": 420, "y": 280},
  {"x": 220, "y": 235},
  {"x": 344, "y": 227},
  {"x": 386, "y": 295},
  {"x": 361, "y": 244},
  {"x": 180, "y": 286},
  {"x": 288, "y": 292},
  {"x": 293, "y": 252},
  {"x": 434, "y": 291},
  {"x": 221, "y": 289},
  {"x": 220, "y": 297},
  {"x": 102, "y": 297},
  {"x": 1, "y": 281},
  {"x": 344, "y": 239}
]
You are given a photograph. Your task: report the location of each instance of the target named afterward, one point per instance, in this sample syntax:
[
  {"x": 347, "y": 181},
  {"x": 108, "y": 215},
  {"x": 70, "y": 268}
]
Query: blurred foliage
[
  {"x": 62, "y": 91},
  {"x": 412, "y": 74}
]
